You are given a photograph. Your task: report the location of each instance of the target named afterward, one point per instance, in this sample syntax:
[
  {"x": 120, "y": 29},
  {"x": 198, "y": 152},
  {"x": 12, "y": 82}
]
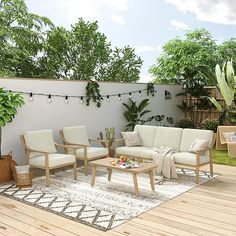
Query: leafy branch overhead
[
  {"x": 93, "y": 93},
  {"x": 150, "y": 89}
]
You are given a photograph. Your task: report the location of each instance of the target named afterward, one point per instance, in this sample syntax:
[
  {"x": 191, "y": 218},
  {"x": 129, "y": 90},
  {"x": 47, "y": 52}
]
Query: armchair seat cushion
[
  {"x": 55, "y": 160},
  {"x": 189, "y": 158},
  {"x": 131, "y": 151},
  {"x": 92, "y": 152}
]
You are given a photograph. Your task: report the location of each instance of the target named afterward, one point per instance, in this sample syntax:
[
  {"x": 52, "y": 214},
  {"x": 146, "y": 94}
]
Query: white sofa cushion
[
  {"x": 40, "y": 140},
  {"x": 189, "y": 135},
  {"x": 168, "y": 137},
  {"x": 131, "y": 151},
  {"x": 76, "y": 135},
  {"x": 147, "y": 134},
  {"x": 189, "y": 158},
  {"x": 92, "y": 152},
  {"x": 147, "y": 154},
  {"x": 54, "y": 160}
]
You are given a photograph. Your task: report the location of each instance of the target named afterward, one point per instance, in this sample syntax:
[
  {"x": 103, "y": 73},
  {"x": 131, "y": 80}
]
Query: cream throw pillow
[
  {"x": 228, "y": 135},
  {"x": 131, "y": 138},
  {"x": 198, "y": 144},
  {"x": 22, "y": 169}
]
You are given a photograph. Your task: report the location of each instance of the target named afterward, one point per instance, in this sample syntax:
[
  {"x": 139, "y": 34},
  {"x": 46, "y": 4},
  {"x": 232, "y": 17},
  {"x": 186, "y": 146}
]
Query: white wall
[{"x": 41, "y": 115}]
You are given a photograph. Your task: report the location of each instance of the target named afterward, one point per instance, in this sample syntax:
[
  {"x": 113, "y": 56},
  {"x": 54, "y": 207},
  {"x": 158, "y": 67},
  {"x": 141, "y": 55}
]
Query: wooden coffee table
[{"x": 105, "y": 162}]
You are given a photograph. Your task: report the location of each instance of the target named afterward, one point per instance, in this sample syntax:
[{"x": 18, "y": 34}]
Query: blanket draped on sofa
[{"x": 163, "y": 158}]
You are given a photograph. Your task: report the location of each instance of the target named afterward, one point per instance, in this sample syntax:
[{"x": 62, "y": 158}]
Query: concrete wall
[{"x": 42, "y": 115}]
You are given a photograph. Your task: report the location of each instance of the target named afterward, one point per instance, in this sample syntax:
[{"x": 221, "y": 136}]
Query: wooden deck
[{"x": 209, "y": 209}]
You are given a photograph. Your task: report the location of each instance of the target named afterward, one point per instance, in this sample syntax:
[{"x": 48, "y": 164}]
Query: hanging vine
[
  {"x": 93, "y": 93},
  {"x": 150, "y": 89}
]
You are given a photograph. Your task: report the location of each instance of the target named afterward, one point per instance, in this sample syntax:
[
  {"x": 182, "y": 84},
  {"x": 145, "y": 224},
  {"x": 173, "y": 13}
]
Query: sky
[{"x": 145, "y": 25}]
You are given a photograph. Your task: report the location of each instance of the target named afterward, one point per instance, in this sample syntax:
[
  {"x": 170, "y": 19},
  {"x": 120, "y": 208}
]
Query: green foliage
[
  {"x": 226, "y": 82},
  {"x": 9, "y": 102},
  {"x": 210, "y": 125},
  {"x": 93, "y": 93},
  {"x": 185, "y": 123},
  {"x": 109, "y": 137},
  {"x": 170, "y": 120},
  {"x": 134, "y": 112},
  {"x": 158, "y": 119},
  {"x": 150, "y": 89},
  {"x": 221, "y": 157},
  {"x": 180, "y": 58}
]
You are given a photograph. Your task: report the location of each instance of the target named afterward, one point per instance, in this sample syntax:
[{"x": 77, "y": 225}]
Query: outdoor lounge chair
[
  {"x": 41, "y": 152},
  {"x": 77, "y": 135},
  {"x": 222, "y": 144}
]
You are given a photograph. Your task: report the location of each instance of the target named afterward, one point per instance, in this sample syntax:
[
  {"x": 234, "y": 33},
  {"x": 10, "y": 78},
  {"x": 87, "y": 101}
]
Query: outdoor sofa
[{"x": 176, "y": 138}]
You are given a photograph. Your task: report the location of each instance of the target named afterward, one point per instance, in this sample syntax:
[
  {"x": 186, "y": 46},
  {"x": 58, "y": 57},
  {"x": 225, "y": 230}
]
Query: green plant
[
  {"x": 210, "y": 125},
  {"x": 185, "y": 123},
  {"x": 150, "y": 89},
  {"x": 93, "y": 92},
  {"x": 109, "y": 137},
  {"x": 226, "y": 82},
  {"x": 170, "y": 120},
  {"x": 158, "y": 119},
  {"x": 9, "y": 102},
  {"x": 135, "y": 112}
]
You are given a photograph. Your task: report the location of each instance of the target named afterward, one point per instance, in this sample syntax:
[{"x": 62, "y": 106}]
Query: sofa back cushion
[
  {"x": 189, "y": 135},
  {"x": 147, "y": 134},
  {"x": 168, "y": 137}
]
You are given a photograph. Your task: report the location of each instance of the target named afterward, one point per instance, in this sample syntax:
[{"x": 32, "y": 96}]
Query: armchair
[
  {"x": 41, "y": 152},
  {"x": 77, "y": 135}
]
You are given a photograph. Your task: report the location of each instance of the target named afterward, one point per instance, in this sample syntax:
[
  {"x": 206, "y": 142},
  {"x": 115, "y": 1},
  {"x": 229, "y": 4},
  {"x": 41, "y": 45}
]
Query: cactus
[{"x": 110, "y": 136}]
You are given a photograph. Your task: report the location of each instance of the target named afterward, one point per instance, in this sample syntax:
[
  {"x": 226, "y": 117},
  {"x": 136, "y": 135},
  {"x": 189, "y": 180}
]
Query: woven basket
[{"x": 23, "y": 180}]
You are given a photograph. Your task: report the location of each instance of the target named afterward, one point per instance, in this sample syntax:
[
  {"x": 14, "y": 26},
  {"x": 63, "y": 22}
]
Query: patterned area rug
[{"x": 108, "y": 203}]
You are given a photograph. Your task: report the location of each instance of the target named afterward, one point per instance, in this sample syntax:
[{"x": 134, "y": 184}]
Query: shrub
[
  {"x": 185, "y": 123},
  {"x": 210, "y": 125}
]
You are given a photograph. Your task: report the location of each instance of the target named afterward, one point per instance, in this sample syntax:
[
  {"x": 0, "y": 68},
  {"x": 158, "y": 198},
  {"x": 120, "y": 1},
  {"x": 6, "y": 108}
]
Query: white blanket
[{"x": 164, "y": 160}]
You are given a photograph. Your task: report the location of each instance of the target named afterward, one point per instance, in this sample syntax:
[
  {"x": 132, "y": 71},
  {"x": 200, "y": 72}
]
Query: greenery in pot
[
  {"x": 93, "y": 93},
  {"x": 185, "y": 123},
  {"x": 210, "y": 125},
  {"x": 134, "y": 113},
  {"x": 9, "y": 102},
  {"x": 108, "y": 138}
]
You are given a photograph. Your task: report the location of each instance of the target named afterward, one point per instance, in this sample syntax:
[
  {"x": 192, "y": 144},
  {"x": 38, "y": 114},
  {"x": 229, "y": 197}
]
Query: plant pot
[{"x": 6, "y": 166}]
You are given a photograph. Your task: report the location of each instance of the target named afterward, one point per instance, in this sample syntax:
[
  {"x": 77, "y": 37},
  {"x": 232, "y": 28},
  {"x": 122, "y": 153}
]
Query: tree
[
  {"x": 21, "y": 37},
  {"x": 124, "y": 65},
  {"x": 180, "y": 59},
  {"x": 227, "y": 51}
]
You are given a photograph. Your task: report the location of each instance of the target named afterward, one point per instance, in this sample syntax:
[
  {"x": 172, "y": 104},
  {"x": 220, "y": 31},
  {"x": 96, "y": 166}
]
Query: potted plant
[
  {"x": 185, "y": 123},
  {"x": 109, "y": 139},
  {"x": 9, "y": 102},
  {"x": 210, "y": 125}
]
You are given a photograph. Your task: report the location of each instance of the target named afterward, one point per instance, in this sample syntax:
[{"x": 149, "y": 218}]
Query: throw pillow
[
  {"x": 198, "y": 144},
  {"x": 131, "y": 138},
  {"x": 228, "y": 135},
  {"x": 22, "y": 169}
]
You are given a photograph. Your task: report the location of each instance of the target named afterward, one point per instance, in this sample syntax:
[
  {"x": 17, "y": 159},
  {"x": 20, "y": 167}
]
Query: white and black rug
[{"x": 108, "y": 203}]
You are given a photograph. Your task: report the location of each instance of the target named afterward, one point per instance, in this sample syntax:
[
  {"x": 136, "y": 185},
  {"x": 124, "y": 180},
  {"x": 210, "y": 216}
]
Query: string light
[
  {"x": 31, "y": 97},
  {"x": 49, "y": 98},
  {"x": 66, "y": 100},
  {"x": 81, "y": 99},
  {"x": 108, "y": 98},
  {"x": 119, "y": 96}
]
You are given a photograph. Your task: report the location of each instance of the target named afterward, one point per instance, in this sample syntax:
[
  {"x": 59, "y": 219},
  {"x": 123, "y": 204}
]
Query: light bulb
[
  {"x": 108, "y": 98},
  {"x": 119, "y": 96},
  {"x": 81, "y": 99},
  {"x": 49, "y": 98},
  {"x": 66, "y": 101},
  {"x": 30, "y": 99},
  {"x": 140, "y": 93}
]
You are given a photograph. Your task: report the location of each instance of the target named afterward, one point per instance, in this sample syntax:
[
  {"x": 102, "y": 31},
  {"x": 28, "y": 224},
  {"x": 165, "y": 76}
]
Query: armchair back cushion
[
  {"x": 147, "y": 134},
  {"x": 168, "y": 137},
  {"x": 76, "y": 135},
  {"x": 40, "y": 140},
  {"x": 189, "y": 135}
]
